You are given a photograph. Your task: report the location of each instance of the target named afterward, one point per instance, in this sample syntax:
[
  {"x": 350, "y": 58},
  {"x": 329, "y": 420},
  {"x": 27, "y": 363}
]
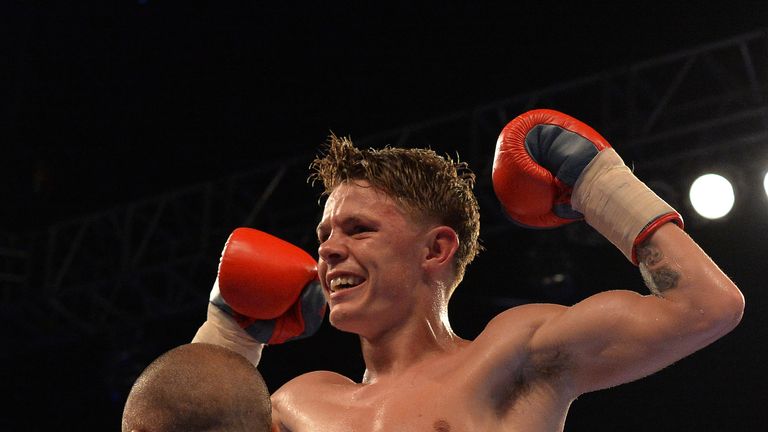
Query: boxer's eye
[{"x": 359, "y": 229}]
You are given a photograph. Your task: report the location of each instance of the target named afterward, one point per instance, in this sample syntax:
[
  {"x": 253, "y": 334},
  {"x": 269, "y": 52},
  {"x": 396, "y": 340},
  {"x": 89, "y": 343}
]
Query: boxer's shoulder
[
  {"x": 309, "y": 396},
  {"x": 507, "y": 343},
  {"x": 312, "y": 380},
  {"x": 518, "y": 323},
  {"x": 307, "y": 386}
]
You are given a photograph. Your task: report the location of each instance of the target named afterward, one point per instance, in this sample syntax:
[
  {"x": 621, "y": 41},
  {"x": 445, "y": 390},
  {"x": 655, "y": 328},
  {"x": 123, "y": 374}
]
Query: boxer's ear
[{"x": 442, "y": 244}]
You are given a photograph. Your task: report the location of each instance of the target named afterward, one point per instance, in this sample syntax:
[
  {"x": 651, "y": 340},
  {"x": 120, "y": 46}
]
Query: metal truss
[
  {"x": 142, "y": 261},
  {"x": 691, "y": 102},
  {"x": 156, "y": 257}
]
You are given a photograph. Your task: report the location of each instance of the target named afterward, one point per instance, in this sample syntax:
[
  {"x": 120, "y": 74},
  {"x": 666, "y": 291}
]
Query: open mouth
[{"x": 344, "y": 282}]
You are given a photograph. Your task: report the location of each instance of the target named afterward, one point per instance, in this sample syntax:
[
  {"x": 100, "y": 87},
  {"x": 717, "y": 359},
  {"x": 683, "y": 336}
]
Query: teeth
[{"x": 342, "y": 282}]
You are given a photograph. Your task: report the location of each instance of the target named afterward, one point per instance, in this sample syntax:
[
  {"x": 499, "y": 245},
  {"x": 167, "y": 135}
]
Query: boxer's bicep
[{"x": 614, "y": 337}]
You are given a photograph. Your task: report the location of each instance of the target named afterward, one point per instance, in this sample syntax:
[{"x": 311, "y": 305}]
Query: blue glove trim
[{"x": 564, "y": 153}]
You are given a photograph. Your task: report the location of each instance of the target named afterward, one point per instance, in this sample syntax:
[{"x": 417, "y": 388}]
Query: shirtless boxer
[{"x": 398, "y": 230}]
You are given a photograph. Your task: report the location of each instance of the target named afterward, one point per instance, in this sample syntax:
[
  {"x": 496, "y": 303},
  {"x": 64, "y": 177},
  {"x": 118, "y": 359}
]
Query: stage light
[
  {"x": 712, "y": 196},
  {"x": 765, "y": 183}
]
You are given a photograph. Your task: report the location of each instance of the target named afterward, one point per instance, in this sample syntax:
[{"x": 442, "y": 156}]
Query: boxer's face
[{"x": 370, "y": 258}]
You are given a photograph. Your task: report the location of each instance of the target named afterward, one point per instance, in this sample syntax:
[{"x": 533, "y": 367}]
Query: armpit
[{"x": 541, "y": 367}]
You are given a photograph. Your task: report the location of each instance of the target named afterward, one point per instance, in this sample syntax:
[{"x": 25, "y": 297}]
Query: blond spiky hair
[{"x": 427, "y": 184}]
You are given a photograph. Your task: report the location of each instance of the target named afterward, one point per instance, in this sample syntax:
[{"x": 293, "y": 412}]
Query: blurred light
[
  {"x": 712, "y": 196},
  {"x": 765, "y": 183}
]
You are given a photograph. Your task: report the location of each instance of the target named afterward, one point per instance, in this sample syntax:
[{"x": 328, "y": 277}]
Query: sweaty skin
[{"x": 524, "y": 369}]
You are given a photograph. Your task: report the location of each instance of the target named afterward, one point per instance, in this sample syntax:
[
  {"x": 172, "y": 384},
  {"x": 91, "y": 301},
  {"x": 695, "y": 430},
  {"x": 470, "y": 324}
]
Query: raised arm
[
  {"x": 615, "y": 336},
  {"x": 618, "y": 336}
]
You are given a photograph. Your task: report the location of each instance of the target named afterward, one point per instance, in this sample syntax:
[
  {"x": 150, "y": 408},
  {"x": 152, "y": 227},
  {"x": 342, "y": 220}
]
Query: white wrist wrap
[
  {"x": 220, "y": 329},
  {"x": 616, "y": 203}
]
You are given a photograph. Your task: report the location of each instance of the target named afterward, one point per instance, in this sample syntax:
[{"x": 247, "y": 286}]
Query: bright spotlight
[
  {"x": 712, "y": 196},
  {"x": 765, "y": 183}
]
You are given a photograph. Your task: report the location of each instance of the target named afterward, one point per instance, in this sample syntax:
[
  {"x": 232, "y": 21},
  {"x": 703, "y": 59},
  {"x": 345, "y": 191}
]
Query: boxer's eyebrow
[{"x": 345, "y": 223}]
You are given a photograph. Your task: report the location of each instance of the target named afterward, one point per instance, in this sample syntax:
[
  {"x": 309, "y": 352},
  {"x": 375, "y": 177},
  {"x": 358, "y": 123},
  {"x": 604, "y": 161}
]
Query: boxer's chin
[
  {"x": 339, "y": 318},
  {"x": 346, "y": 320}
]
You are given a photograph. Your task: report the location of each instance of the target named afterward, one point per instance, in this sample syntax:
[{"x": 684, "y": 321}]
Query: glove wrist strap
[
  {"x": 618, "y": 205},
  {"x": 221, "y": 329}
]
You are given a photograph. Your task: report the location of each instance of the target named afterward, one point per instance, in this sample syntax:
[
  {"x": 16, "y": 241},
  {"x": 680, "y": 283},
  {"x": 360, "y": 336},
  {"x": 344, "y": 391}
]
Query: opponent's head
[
  {"x": 197, "y": 387},
  {"x": 427, "y": 186}
]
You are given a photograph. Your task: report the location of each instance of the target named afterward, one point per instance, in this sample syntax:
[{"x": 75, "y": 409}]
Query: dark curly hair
[{"x": 426, "y": 183}]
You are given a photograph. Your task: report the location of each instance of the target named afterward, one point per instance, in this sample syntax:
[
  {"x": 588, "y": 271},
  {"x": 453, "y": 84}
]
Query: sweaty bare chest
[
  {"x": 500, "y": 393},
  {"x": 421, "y": 405}
]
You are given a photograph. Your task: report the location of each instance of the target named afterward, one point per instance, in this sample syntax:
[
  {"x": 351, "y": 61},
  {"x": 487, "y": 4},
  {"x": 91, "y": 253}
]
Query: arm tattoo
[{"x": 657, "y": 278}]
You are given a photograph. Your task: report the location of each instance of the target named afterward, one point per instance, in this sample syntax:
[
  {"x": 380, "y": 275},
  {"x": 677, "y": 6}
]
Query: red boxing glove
[
  {"x": 269, "y": 286},
  {"x": 550, "y": 169},
  {"x": 539, "y": 156}
]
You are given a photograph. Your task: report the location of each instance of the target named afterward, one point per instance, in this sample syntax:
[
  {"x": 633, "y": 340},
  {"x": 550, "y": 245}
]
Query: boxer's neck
[{"x": 397, "y": 350}]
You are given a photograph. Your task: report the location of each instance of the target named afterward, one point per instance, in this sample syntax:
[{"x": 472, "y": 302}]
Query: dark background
[{"x": 107, "y": 102}]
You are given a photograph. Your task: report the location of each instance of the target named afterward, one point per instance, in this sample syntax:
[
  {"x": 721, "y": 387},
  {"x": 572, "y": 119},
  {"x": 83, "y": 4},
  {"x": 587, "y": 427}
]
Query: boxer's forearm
[{"x": 676, "y": 269}]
